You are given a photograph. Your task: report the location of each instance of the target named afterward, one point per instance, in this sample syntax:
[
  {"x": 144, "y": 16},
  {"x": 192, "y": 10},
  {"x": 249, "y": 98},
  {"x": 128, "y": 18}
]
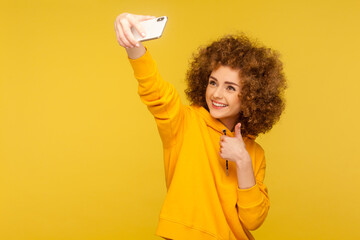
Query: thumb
[
  {"x": 238, "y": 130},
  {"x": 141, "y": 18}
]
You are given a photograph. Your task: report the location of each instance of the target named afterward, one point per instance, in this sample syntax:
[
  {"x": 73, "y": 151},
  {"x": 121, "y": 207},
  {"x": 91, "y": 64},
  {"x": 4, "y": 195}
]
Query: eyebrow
[{"x": 232, "y": 83}]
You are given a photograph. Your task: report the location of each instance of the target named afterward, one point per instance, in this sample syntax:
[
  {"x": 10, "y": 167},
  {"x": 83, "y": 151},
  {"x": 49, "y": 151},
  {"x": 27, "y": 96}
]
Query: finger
[
  {"x": 135, "y": 22},
  {"x": 116, "y": 32},
  {"x": 224, "y": 138},
  {"x": 141, "y": 18},
  {"x": 121, "y": 43},
  {"x": 238, "y": 131},
  {"x": 130, "y": 36},
  {"x": 119, "y": 34},
  {"x": 122, "y": 35}
]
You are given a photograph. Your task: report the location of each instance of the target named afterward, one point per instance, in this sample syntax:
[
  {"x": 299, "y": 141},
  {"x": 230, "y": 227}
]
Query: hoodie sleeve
[
  {"x": 253, "y": 203},
  {"x": 160, "y": 97}
]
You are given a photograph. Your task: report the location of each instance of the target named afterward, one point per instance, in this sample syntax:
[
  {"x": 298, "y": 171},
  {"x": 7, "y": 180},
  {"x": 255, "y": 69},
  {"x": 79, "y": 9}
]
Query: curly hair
[{"x": 261, "y": 75}]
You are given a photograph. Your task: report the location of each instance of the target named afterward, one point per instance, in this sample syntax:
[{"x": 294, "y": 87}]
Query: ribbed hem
[
  {"x": 173, "y": 230},
  {"x": 249, "y": 197}
]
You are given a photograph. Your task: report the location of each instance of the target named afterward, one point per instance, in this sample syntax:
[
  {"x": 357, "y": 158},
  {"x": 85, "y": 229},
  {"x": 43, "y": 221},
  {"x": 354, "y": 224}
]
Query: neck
[{"x": 230, "y": 124}]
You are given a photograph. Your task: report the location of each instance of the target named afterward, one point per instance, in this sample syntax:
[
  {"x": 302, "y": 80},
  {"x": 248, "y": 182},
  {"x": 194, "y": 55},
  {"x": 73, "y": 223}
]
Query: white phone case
[{"x": 153, "y": 29}]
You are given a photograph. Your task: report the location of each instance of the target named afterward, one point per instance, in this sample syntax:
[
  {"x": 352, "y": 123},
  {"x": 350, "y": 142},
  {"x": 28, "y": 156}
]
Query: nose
[{"x": 218, "y": 94}]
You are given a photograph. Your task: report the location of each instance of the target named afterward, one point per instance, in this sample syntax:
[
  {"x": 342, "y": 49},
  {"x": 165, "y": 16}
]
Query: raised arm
[
  {"x": 123, "y": 24},
  {"x": 160, "y": 96}
]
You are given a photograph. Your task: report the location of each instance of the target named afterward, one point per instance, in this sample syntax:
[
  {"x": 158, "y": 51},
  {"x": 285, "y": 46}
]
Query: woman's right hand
[{"x": 123, "y": 24}]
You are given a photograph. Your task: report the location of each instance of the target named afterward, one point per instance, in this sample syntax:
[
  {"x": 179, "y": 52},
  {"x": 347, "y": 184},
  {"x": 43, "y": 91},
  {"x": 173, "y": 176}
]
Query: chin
[{"x": 215, "y": 114}]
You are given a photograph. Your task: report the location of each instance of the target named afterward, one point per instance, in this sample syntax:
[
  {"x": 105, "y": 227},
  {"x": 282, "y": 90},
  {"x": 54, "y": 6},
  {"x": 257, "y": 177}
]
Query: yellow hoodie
[{"x": 202, "y": 202}]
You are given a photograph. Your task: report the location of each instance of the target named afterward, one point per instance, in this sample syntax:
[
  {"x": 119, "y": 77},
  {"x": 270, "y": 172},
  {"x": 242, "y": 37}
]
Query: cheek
[
  {"x": 207, "y": 93},
  {"x": 207, "y": 97},
  {"x": 236, "y": 102}
]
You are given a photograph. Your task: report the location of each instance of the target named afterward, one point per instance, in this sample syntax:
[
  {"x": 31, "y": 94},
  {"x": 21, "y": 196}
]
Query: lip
[{"x": 216, "y": 107}]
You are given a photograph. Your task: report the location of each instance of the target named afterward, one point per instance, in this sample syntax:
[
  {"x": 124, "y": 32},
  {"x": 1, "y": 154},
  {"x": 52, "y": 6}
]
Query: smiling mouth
[{"x": 218, "y": 105}]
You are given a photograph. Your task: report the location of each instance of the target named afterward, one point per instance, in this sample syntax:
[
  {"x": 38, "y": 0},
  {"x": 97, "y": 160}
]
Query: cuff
[
  {"x": 143, "y": 66},
  {"x": 249, "y": 197}
]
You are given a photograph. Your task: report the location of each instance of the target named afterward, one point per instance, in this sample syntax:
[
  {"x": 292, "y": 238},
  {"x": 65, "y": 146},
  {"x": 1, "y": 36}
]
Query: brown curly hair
[{"x": 262, "y": 80}]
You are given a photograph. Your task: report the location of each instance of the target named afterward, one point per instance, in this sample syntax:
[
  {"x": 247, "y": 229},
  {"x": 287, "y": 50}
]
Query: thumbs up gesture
[{"x": 233, "y": 148}]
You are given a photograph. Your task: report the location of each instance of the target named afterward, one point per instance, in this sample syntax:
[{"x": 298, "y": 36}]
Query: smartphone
[{"x": 153, "y": 29}]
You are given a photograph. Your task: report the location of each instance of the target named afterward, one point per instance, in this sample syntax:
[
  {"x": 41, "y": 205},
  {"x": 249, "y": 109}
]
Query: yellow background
[{"x": 80, "y": 157}]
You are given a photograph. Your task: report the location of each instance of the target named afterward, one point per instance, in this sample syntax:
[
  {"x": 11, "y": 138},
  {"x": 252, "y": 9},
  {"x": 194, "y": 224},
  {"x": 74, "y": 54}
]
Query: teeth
[{"x": 219, "y": 105}]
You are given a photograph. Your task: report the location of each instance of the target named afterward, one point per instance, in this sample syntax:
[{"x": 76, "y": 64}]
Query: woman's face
[{"x": 222, "y": 95}]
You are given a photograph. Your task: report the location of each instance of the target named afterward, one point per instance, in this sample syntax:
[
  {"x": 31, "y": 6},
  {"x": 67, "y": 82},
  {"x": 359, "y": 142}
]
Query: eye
[
  {"x": 212, "y": 82},
  {"x": 231, "y": 88}
]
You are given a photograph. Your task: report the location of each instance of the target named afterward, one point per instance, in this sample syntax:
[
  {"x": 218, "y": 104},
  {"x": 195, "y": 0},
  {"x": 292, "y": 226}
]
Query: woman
[{"x": 214, "y": 169}]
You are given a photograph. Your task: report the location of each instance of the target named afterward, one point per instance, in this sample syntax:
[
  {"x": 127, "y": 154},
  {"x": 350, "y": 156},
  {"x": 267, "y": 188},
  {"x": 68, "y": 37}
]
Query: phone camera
[{"x": 160, "y": 19}]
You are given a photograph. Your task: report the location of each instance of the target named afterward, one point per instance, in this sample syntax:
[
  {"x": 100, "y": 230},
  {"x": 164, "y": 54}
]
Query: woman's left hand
[{"x": 233, "y": 148}]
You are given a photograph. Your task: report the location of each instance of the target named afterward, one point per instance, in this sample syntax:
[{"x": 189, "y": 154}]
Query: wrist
[
  {"x": 244, "y": 161},
  {"x": 136, "y": 52},
  {"x": 245, "y": 173}
]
